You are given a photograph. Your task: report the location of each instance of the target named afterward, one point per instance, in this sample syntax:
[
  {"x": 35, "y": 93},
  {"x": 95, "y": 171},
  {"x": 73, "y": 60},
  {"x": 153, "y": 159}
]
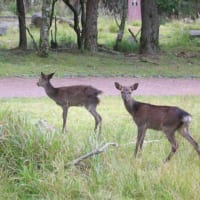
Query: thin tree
[
  {"x": 77, "y": 28},
  {"x": 86, "y": 26},
  {"x": 119, "y": 9},
  {"x": 44, "y": 30},
  {"x": 22, "y": 24},
  {"x": 123, "y": 11},
  {"x": 149, "y": 40}
]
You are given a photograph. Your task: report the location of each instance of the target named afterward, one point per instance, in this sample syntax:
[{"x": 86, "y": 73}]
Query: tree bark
[
  {"x": 44, "y": 30},
  {"x": 22, "y": 24},
  {"x": 149, "y": 40},
  {"x": 91, "y": 25},
  {"x": 83, "y": 20}
]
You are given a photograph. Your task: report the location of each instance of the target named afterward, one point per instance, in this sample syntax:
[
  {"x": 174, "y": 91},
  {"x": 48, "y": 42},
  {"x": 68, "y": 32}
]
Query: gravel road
[{"x": 26, "y": 87}]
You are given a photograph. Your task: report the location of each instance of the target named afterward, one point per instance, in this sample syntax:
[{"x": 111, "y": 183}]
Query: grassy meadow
[
  {"x": 35, "y": 161},
  {"x": 179, "y": 57}
]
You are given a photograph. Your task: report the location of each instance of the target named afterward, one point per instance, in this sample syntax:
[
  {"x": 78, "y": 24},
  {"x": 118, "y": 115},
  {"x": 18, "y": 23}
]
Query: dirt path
[{"x": 26, "y": 87}]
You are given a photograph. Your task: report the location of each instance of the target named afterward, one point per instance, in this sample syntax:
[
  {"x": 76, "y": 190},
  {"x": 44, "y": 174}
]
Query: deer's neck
[
  {"x": 129, "y": 104},
  {"x": 50, "y": 90}
]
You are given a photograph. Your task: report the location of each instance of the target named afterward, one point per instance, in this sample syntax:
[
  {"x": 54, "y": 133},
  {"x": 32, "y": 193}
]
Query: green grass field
[
  {"x": 179, "y": 56},
  {"x": 84, "y": 64},
  {"x": 34, "y": 161}
]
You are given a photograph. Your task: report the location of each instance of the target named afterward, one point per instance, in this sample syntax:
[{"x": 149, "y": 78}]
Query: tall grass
[
  {"x": 175, "y": 35},
  {"x": 34, "y": 161}
]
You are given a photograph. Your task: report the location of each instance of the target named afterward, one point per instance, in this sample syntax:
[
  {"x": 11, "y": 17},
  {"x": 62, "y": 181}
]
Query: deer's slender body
[
  {"x": 78, "y": 95},
  {"x": 168, "y": 119}
]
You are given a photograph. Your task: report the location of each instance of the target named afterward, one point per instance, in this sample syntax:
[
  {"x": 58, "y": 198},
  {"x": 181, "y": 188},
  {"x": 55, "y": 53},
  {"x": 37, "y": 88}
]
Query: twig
[
  {"x": 43, "y": 126},
  {"x": 138, "y": 32},
  {"x": 115, "y": 17},
  {"x": 134, "y": 142},
  {"x": 148, "y": 61},
  {"x": 55, "y": 36},
  {"x": 101, "y": 48},
  {"x": 92, "y": 153},
  {"x": 101, "y": 150},
  {"x": 34, "y": 42},
  {"x": 132, "y": 34}
]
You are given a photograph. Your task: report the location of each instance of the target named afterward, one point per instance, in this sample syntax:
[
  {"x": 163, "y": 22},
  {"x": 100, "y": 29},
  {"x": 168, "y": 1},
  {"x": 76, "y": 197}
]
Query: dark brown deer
[
  {"x": 168, "y": 119},
  {"x": 78, "y": 95}
]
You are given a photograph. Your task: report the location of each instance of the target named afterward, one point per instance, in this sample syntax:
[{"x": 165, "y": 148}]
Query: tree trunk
[
  {"x": 91, "y": 25},
  {"x": 44, "y": 30},
  {"x": 122, "y": 24},
  {"x": 83, "y": 20},
  {"x": 149, "y": 40},
  {"x": 22, "y": 24}
]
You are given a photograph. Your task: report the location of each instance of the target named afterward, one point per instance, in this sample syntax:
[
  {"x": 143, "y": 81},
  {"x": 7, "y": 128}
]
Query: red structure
[{"x": 134, "y": 10}]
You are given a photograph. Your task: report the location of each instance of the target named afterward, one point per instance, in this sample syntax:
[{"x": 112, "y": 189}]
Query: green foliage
[
  {"x": 12, "y": 7},
  {"x": 177, "y": 7},
  {"x": 168, "y": 6},
  {"x": 136, "y": 23},
  {"x": 34, "y": 162},
  {"x": 113, "y": 6}
]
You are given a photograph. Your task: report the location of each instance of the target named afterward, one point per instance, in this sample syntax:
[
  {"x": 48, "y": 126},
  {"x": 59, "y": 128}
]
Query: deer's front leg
[
  {"x": 140, "y": 139},
  {"x": 65, "y": 111}
]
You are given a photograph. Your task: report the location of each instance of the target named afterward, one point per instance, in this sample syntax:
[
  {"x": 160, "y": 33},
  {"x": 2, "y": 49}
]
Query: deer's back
[
  {"x": 158, "y": 117},
  {"x": 78, "y": 95}
]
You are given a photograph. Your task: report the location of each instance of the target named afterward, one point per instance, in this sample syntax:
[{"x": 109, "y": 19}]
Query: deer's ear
[
  {"x": 118, "y": 86},
  {"x": 43, "y": 75},
  {"x": 134, "y": 86},
  {"x": 51, "y": 75}
]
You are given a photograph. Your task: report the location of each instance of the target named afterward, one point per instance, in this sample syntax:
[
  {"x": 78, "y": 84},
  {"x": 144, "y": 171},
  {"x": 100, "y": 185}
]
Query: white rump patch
[{"x": 187, "y": 119}]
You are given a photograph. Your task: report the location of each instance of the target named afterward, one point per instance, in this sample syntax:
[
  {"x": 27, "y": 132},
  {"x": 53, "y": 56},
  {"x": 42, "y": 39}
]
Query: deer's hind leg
[
  {"x": 92, "y": 109},
  {"x": 174, "y": 145},
  {"x": 184, "y": 131}
]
